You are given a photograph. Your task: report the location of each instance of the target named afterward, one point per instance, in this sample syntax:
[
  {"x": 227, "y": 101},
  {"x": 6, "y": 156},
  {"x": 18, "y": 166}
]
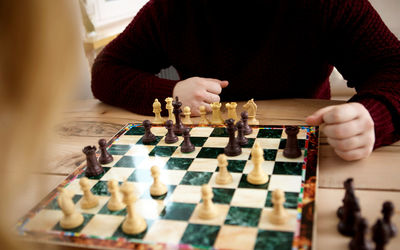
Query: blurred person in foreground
[
  {"x": 39, "y": 46},
  {"x": 234, "y": 50}
]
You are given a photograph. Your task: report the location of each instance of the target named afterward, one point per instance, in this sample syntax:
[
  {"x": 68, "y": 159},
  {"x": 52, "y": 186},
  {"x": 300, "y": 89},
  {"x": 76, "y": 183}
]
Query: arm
[{"x": 124, "y": 72}]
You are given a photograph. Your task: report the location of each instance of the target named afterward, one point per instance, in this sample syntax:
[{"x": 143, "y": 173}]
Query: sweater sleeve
[
  {"x": 124, "y": 73},
  {"x": 367, "y": 54}
]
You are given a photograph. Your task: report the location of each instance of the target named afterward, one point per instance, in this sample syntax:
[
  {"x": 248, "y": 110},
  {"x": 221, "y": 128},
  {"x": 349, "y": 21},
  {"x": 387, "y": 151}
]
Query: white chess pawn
[
  {"x": 257, "y": 176},
  {"x": 89, "y": 200},
  {"x": 186, "y": 120},
  {"x": 207, "y": 209},
  {"x": 231, "y": 107},
  {"x": 203, "y": 118},
  {"x": 170, "y": 108},
  {"x": 134, "y": 222},
  {"x": 157, "y": 188},
  {"x": 157, "y": 113},
  {"x": 71, "y": 218},
  {"x": 115, "y": 203},
  {"x": 223, "y": 177},
  {"x": 216, "y": 118},
  {"x": 278, "y": 215}
]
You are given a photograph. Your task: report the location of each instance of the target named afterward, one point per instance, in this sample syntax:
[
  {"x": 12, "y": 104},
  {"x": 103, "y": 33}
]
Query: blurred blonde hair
[{"x": 39, "y": 46}]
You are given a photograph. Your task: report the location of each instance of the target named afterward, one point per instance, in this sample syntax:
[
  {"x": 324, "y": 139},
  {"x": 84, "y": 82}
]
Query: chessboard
[{"x": 172, "y": 219}]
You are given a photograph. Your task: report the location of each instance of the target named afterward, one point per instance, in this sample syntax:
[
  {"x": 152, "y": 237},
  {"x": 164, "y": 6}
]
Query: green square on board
[
  {"x": 235, "y": 166},
  {"x": 291, "y": 200},
  {"x": 243, "y": 216},
  {"x": 177, "y": 211},
  {"x": 200, "y": 235},
  {"x": 250, "y": 143},
  {"x": 269, "y": 133},
  {"x": 210, "y": 153},
  {"x": 219, "y": 132},
  {"x": 178, "y": 163},
  {"x": 196, "y": 178},
  {"x": 301, "y": 143},
  {"x": 155, "y": 142},
  {"x": 198, "y": 141},
  {"x": 130, "y": 161},
  {"x": 105, "y": 210},
  {"x": 223, "y": 195},
  {"x": 100, "y": 188},
  {"x": 120, "y": 234},
  {"x": 245, "y": 184},
  {"x": 274, "y": 240},
  {"x": 163, "y": 151},
  {"x": 119, "y": 149},
  {"x": 97, "y": 177},
  {"x": 54, "y": 204},
  {"x": 86, "y": 217},
  {"x": 135, "y": 131},
  {"x": 288, "y": 168}
]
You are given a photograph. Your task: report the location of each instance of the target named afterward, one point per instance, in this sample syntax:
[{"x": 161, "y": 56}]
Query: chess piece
[
  {"x": 231, "y": 107},
  {"x": 88, "y": 200},
  {"x": 292, "y": 149},
  {"x": 387, "y": 212},
  {"x": 187, "y": 146},
  {"x": 148, "y": 136},
  {"x": 247, "y": 129},
  {"x": 233, "y": 148},
  {"x": 223, "y": 177},
  {"x": 380, "y": 234},
  {"x": 203, "y": 118},
  {"x": 257, "y": 176},
  {"x": 105, "y": 157},
  {"x": 157, "y": 112},
  {"x": 207, "y": 209},
  {"x": 178, "y": 126},
  {"x": 251, "y": 108},
  {"x": 93, "y": 167},
  {"x": 278, "y": 215},
  {"x": 348, "y": 186},
  {"x": 216, "y": 118},
  {"x": 351, "y": 212},
  {"x": 359, "y": 241},
  {"x": 71, "y": 218},
  {"x": 170, "y": 137},
  {"x": 157, "y": 188},
  {"x": 242, "y": 140},
  {"x": 115, "y": 203},
  {"x": 186, "y": 120},
  {"x": 134, "y": 222},
  {"x": 169, "y": 107}
]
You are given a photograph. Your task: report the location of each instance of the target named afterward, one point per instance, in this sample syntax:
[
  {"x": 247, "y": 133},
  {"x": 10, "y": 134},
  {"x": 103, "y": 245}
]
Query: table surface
[{"x": 375, "y": 178}]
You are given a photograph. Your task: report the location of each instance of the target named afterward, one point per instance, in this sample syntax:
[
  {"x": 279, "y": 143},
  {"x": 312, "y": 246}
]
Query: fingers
[
  {"x": 350, "y": 143},
  {"x": 215, "y": 86},
  {"x": 346, "y": 129},
  {"x": 317, "y": 118},
  {"x": 342, "y": 113},
  {"x": 355, "y": 154},
  {"x": 210, "y": 98}
]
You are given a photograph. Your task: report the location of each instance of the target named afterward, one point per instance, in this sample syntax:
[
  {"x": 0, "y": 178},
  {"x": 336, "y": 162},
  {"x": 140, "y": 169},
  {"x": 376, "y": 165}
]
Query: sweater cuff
[{"x": 383, "y": 122}]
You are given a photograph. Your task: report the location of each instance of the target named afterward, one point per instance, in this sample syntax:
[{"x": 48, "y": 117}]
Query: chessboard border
[{"x": 300, "y": 241}]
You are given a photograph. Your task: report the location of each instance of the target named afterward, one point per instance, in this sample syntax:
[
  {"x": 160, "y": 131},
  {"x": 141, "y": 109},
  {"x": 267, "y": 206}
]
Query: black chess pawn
[
  {"x": 233, "y": 148},
  {"x": 187, "y": 145},
  {"x": 170, "y": 137},
  {"x": 387, "y": 212},
  {"x": 359, "y": 241},
  {"x": 178, "y": 127},
  {"x": 380, "y": 234},
  {"x": 247, "y": 129},
  {"x": 105, "y": 157},
  {"x": 93, "y": 167},
  {"x": 348, "y": 186},
  {"x": 351, "y": 212},
  {"x": 148, "y": 136},
  {"x": 292, "y": 149},
  {"x": 242, "y": 140}
]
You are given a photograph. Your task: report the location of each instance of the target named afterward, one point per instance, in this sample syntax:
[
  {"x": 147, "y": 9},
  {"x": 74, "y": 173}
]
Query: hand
[
  {"x": 197, "y": 91},
  {"x": 349, "y": 128}
]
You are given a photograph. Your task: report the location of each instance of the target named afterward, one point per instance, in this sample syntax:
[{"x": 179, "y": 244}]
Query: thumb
[
  {"x": 223, "y": 84},
  {"x": 318, "y": 117}
]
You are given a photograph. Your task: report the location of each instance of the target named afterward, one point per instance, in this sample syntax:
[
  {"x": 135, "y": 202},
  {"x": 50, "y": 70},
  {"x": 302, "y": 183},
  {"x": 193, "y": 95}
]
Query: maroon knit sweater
[{"x": 265, "y": 49}]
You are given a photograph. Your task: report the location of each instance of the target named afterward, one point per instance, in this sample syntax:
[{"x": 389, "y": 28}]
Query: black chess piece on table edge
[
  {"x": 233, "y": 148},
  {"x": 93, "y": 167},
  {"x": 148, "y": 136},
  {"x": 351, "y": 213},
  {"x": 244, "y": 117},
  {"x": 380, "y": 234},
  {"x": 104, "y": 157},
  {"x": 359, "y": 241},
  {"x": 170, "y": 137},
  {"x": 387, "y": 212},
  {"x": 187, "y": 146},
  {"x": 178, "y": 126},
  {"x": 242, "y": 140},
  {"x": 348, "y": 186},
  {"x": 292, "y": 149}
]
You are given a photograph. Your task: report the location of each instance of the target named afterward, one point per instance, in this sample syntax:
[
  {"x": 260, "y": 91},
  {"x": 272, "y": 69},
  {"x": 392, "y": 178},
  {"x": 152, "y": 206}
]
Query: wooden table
[{"x": 375, "y": 178}]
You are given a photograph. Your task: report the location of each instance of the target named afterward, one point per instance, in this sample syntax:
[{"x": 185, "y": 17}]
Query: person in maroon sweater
[{"x": 230, "y": 50}]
